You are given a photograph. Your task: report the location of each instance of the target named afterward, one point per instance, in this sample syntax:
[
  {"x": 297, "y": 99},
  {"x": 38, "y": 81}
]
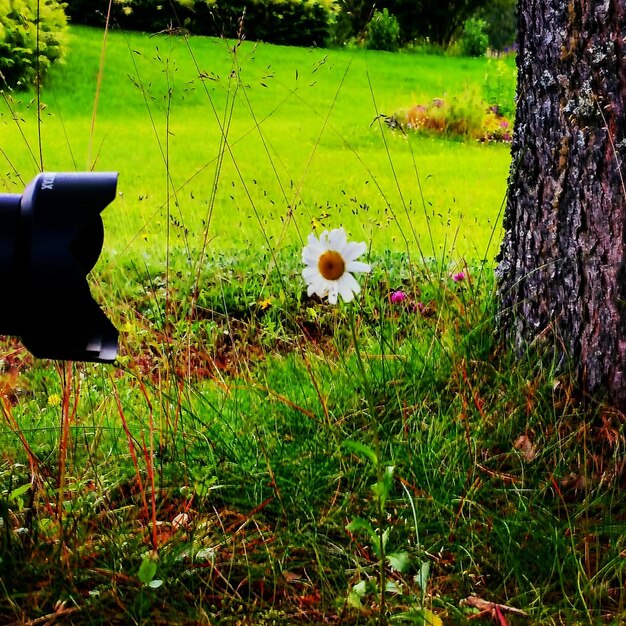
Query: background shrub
[
  {"x": 315, "y": 22},
  {"x": 349, "y": 20},
  {"x": 288, "y": 22},
  {"x": 19, "y": 60},
  {"x": 438, "y": 22},
  {"x": 383, "y": 32},
  {"x": 474, "y": 41},
  {"x": 501, "y": 23}
]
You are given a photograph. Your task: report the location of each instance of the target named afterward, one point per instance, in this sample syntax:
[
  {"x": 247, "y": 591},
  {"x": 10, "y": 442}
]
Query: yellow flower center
[{"x": 331, "y": 265}]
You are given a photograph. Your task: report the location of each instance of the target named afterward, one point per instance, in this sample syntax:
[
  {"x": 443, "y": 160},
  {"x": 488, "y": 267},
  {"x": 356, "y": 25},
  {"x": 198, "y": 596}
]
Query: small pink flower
[
  {"x": 458, "y": 277},
  {"x": 419, "y": 307},
  {"x": 504, "y": 124},
  {"x": 397, "y": 297}
]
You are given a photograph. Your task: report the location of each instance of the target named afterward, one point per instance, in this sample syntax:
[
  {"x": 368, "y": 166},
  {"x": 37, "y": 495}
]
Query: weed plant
[{"x": 259, "y": 456}]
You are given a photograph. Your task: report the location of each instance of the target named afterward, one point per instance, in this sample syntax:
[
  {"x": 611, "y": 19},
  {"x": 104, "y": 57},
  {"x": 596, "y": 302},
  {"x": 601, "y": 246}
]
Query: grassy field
[
  {"x": 257, "y": 456},
  {"x": 303, "y": 142}
]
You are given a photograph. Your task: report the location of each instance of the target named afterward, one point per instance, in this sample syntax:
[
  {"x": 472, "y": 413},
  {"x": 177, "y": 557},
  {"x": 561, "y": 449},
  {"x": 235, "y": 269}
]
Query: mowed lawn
[{"x": 263, "y": 142}]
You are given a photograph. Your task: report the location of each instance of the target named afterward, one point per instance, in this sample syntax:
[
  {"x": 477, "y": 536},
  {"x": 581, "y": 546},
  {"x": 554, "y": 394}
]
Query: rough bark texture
[{"x": 562, "y": 266}]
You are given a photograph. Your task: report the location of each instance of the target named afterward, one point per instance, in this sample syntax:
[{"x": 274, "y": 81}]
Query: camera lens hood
[{"x": 50, "y": 238}]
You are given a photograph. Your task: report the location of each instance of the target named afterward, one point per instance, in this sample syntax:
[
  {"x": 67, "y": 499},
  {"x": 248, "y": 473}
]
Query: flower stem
[{"x": 380, "y": 513}]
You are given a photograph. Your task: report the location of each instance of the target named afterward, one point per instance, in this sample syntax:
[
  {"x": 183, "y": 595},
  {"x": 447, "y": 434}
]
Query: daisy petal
[
  {"x": 354, "y": 249},
  {"x": 310, "y": 256},
  {"x": 310, "y": 274},
  {"x": 348, "y": 286},
  {"x": 317, "y": 287},
  {"x": 314, "y": 245},
  {"x": 337, "y": 239},
  {"x": 324, "y": 240},
  {"x": 358, "y": 266},
  {"x": 347, "y": 295},
  {"x": 313, "y": 240}
]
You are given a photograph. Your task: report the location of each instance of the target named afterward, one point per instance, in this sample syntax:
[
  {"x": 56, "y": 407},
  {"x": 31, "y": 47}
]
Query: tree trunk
[{"x": 562, "y": 265}]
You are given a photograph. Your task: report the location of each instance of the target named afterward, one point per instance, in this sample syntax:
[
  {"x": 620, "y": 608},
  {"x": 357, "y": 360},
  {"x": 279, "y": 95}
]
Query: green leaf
[
  {"x": 386, "y": 534},
  {"x": 422, "y": 617},
  {"x": 353, "y": 601},
  {"x": 358, "y": 524},
  {"x": 399, "y": 561},
  {"x": 19, "y": 492},
  {"x": 356, "y": 593},
  {"x": 430, "y": 619},
  {"x": 16, "y": 495},
  {"x": 421, "y": 579},
  {"x": 360, "y": 588},
  {"x": 147, "y": 570},
  {"x": 361, "y": 450},
  {"x": 382, "y": 488},
  {"x": 391, "y": 586}
]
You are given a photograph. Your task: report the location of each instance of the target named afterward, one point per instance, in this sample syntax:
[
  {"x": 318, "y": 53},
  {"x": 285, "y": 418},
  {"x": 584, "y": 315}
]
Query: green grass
[
  {"x": 302, "y": 131},
  {"x": 232, "y": 467},
  {"x": 506, "y": 486}
]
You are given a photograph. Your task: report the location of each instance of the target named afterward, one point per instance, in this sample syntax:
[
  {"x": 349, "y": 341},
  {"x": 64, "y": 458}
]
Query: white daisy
[{"x": 329, "y": 261}]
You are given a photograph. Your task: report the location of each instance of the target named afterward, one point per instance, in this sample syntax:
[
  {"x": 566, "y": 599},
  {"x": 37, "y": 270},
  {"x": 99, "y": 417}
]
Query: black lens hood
[{"x": 50, "y": 238}]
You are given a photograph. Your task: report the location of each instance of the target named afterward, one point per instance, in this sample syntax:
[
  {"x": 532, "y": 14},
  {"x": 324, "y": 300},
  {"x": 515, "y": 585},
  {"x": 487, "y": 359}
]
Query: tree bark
[{"x": 562, "y": 265}]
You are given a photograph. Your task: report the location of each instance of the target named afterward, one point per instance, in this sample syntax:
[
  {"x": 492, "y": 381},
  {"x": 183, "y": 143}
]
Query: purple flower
[
  {"x": 397, "y": 297},
  {"x": 458, "y": 277}
]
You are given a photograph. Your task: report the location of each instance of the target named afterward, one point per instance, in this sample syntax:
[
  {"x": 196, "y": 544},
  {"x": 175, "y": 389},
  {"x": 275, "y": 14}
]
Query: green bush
[
  {"x": 289, "y": 22},
  {"x": 431, "y": 21},
  {"x": 474, "y": 40},
  {"x": 501, "y": 23},
  {"x": 383, "y": 32},
  {"x": 25, "y": 55},
  {"x": 349, "y": 20},
  {"x": 437, "y": 21},
  {"x": 144, "y": 15}
]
